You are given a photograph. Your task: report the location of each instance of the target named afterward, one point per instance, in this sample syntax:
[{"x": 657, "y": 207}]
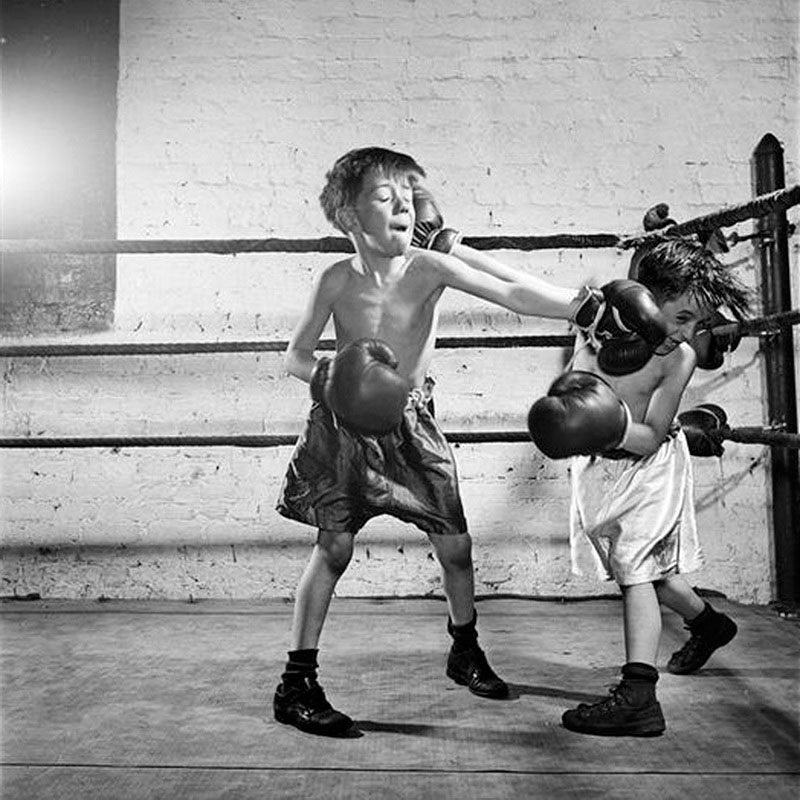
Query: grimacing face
[
  {"x": 685, "y": 315},
  {"x": 384, "y": 211}
]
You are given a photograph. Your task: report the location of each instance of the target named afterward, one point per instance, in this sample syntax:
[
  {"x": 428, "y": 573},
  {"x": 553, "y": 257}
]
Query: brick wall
[{"x": 531, "y": 118}]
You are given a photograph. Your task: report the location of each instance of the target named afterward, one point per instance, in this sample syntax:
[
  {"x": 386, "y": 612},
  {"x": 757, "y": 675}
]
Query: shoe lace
[
  {"x": 691, "y": 646},
  {"x": 615, "y": 698}
]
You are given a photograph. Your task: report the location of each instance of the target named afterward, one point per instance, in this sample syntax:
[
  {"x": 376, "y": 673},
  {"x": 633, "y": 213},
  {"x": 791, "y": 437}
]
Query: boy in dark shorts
[
  {"x": 371, "y": 444},
  {"x": 632, "y": 513}
]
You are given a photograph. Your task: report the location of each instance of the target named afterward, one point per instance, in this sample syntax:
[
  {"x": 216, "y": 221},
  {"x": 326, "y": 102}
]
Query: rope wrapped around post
[{"x": 758, "y": 207}]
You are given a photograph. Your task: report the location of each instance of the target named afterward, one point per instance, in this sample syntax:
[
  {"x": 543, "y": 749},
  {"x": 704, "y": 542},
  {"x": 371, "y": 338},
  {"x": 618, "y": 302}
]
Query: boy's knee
[
  {"x": 454, "y": 551},
  {"x": 336, "y": 548}
]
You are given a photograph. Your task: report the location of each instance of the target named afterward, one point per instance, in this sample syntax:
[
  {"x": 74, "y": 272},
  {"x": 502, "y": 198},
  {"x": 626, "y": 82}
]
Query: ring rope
[
  {"x": 754, "y": 327},
  {"x": 752, "y": 435},
  {"x": 757, "y": 207},
  {"x": 173, "y": 348}
]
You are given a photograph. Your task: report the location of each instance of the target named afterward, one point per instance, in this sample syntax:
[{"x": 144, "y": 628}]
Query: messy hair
[
  {"x": 344, "y": 181},
  {"x": 679, "y": 266}
]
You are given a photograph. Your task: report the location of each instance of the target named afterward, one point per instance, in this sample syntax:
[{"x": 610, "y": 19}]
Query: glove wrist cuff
[
  {"x": 628, "y": 423},
  {"x": 444, "y": 241},
  {"x": 319, "y": 378},
  {"x": 583, "y": 310}
]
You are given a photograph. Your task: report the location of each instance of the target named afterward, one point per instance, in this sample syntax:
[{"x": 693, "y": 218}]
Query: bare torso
[
  {"x": 399, "y": 308},
  {"x": 635, "y": 389}
]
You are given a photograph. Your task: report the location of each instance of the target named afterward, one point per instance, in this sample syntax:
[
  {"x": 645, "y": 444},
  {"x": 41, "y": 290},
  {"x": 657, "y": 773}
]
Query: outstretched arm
[
  {"x": 521, "y": 292},
  {"x": 510, "y": 288}
]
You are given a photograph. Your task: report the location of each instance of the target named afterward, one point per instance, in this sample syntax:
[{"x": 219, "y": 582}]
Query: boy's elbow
[{"x": 290, "y": 362}]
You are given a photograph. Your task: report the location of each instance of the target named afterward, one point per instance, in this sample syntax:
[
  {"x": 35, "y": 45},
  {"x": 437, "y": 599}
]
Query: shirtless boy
[
  {"x": 632, "y": 511},
  {"x": 371, "y": 444}
]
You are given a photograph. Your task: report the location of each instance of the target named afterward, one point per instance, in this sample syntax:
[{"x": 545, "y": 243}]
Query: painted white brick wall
[{"x": 531, "y": 118}]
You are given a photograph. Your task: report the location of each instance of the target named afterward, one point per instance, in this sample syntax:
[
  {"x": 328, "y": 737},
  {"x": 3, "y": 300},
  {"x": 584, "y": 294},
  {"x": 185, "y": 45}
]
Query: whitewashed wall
[{"x": 530, "y": 118}]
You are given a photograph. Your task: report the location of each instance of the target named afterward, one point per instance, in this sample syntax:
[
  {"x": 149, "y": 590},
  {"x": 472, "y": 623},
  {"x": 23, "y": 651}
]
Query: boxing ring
[
  {"x": 169, "y": 699},
  {"x": 772, "y": 329},
  {"x": 165, "y": 699}
]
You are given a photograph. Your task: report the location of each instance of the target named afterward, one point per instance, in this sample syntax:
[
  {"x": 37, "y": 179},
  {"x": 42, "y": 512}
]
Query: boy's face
[
  {"x": 684, "y": 315},
  {"x": 384, "y": 213}
]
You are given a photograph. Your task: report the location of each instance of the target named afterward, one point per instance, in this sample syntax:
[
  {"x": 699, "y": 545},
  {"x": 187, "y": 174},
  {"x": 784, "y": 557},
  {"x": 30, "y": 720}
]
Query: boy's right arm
[{"x": 299, "y": 359}]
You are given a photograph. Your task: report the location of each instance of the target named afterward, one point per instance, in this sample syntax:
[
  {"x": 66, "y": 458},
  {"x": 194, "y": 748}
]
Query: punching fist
[
  {"x": 429, "y": 231},
  {"x": 711, "y": 346},
  {"x": 656, "y": 217},
  {"x": 581, "y": 415},
  {"x": 624, "y": 324},
  {"x": 702, "y": 426},
  {"x": 362, "y": 387}
]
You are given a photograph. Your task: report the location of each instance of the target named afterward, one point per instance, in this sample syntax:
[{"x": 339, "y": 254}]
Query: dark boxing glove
[
  {"x": 702, "y": 426},
  {"x": 429, "y": 231},
  {"x": 581, "y": 415},
  {"x": 362, "y": 387},
  {"x": 624, "y": 324},
  {"x": 711, "y": 346},
  {"x": 655, "y": 218}
]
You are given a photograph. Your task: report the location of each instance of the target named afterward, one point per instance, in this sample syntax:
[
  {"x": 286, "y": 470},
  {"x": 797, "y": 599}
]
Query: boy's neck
[{"x": 371, "y": 263}]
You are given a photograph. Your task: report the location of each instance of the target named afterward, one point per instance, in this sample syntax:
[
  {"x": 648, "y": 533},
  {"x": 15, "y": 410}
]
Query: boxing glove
[
  {"x": 362, "y": 387},
  {"x": 624, "y": 324},
  {"x": 581, "y": 415},
  {"x": 656, "y": 217},
  {"x": 703, "y": 426},
  {"x": 429, "y": 231},
  {"x": 711, "y": 346}
]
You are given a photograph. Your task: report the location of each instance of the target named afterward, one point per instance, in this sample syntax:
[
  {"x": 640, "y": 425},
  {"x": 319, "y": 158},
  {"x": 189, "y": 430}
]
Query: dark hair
[
  {"x": 679, "y": 266},
  {"x": 344, "y": 181}
]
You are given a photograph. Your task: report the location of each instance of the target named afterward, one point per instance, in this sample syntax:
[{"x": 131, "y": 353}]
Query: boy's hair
[
  {"x": 344, "y": 181},
  {"x": 679, "y": 266}
]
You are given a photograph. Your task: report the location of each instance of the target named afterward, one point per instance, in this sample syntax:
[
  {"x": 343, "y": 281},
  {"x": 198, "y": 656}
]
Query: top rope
[{"x": 758, "y": 207}]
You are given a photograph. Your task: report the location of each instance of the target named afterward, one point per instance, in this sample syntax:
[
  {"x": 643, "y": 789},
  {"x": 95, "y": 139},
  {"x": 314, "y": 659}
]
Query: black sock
[
  {"x": 639, "y": 682},
  {"x": 707, "y": 616},
  {"x": 301, "y": 664},
  {"x": 465, "y": 637}
]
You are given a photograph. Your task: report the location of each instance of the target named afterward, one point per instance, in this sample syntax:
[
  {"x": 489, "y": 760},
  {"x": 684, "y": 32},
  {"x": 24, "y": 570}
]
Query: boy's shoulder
[
  {"x": 680, "y": 359},
  {"x": 336, "y": 275}
]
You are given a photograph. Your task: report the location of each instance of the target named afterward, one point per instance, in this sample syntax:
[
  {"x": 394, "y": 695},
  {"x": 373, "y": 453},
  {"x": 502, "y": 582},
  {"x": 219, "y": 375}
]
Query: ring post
[{"x": 767, "y": 175}]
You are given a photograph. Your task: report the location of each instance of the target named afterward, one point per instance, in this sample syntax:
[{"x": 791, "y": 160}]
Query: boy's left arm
[
  {"x": 645, "y": 437},
  {"x": 523, "y": 294},
  {"x": 512, "y": 289}
]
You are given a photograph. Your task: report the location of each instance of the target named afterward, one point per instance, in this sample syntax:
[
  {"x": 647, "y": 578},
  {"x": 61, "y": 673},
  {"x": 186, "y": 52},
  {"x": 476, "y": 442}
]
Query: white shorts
[{"x": 632, "y": 519}]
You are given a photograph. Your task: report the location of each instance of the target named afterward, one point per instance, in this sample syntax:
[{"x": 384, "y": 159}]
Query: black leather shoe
[
  {"x": 471, "y": 669},
  {"x": 616, "y": 716},
  {"x": 305, "y": 706},
  {"x": 702, "y": 643}
]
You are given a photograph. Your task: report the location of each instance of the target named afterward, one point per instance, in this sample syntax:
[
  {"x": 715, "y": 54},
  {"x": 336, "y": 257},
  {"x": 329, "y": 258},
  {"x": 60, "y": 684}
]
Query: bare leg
[
  {"x": 330, "y": 558},
  {"x": 466, "y": 661},
  {"x": 642, "y": 617},
  {"x": 454, "y": 552},
  {"x": 675, "y": 593}
]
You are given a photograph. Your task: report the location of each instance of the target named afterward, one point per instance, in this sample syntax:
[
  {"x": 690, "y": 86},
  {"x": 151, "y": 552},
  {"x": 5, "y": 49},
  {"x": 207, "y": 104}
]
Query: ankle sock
[
  {"x": 705, "y": 618},
  {"x": 465, "y": 637},
  {"x": 639, "y": 682},
  {"x": 301, "y": 664}
]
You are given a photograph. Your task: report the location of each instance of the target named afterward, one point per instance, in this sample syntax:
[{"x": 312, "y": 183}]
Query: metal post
[{"x": 778, "y": 352}]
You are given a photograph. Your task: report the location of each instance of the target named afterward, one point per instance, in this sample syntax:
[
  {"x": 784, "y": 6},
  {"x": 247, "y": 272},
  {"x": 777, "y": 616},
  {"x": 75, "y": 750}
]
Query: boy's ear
[{"x": 348, "y": 219}]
